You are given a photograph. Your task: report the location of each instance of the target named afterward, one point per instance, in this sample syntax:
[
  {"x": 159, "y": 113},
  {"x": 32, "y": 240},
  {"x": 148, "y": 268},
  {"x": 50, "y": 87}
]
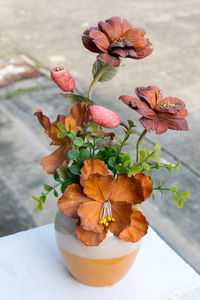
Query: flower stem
[
  {"x": 96, "y": 78},
  {"x": 139, "y": 143}
]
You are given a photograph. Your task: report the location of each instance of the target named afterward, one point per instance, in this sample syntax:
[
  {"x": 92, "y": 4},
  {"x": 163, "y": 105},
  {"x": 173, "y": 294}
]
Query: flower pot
[{"x": 101, "y": 265}]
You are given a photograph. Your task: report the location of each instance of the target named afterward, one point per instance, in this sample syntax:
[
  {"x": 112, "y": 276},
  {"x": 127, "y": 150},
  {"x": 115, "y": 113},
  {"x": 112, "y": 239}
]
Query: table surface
[{"x": 31, "y": 268}]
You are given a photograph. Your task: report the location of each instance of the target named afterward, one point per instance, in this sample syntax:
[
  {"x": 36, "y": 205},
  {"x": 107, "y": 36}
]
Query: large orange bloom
[
  {"x": 103, "y": 202},
  {"x": 116, "y": 38},
  {"x": 78, "y": 117},
  {"x": 159, "y": 114}
]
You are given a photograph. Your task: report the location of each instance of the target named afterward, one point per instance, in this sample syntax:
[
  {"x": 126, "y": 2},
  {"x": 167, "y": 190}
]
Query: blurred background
[{"x": 37, "y": 35}]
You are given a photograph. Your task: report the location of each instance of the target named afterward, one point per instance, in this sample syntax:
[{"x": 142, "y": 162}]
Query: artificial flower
[
  {"x": 104, "y": 117},
  {"x": 103, "y": 202},
  {"x": 78, "y": 117},
  {"x": 159, "y": 114},
  {"x": 63, "y": 79},
  {"x": 116, "y": 38}
]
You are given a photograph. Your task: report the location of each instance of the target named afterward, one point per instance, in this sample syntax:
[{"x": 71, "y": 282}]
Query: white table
[{"x": 31, "y": 269}]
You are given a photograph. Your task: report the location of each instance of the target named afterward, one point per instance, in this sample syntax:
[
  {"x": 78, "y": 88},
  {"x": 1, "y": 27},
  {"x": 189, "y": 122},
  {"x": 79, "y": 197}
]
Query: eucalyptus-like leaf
[
  {"x": 75, "y": 170},
  {"x": 84, "y": 154},
  {"x": 47, "y": 187},
  {"x": 75, "y": 98},
  {"x": 157, "y": 148},
  {"x": 109, "y": 74},
  {"x": 112, "y": 161},
  {"x": 73, "y": 154}
]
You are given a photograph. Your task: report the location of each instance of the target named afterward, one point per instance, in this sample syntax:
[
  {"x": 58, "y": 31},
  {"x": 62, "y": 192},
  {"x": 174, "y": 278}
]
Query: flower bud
[
  {"x": 104, "y": 117},
  {"x": 63, "y": 79}
]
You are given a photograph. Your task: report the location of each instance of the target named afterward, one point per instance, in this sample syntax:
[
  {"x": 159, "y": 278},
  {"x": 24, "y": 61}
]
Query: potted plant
[{"x": 100, "y": 224}]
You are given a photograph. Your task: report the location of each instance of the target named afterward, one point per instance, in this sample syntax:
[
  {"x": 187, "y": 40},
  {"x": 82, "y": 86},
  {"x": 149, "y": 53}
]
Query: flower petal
[
  {"x": 137, "y": 229},
  {"x": 55, "y": 160},
  {"x": 98, "y": 187},
  {"x": 117, "y": 26},
  {"x": 152, "y": 95},
  {"x": 100, "y": 40},
  {"x": 143, "y": 53},
  {"x": 138, "y": 42},
  {"x": 71, "y": 199},
  {"x": 121, "y": 212},
  {"x": 146, "y": 184},
  {"x": 89, "y": 238},
  {"x": 127, "y": 189},
  {"x": 70, "y": 121},
  {"x": 44, "y": 120},
  {"x": 173, "y": 106},
  {"x": 92, "y": 166},
  {"x": 138, "y": 105},
  {"x": 109, "y": 59},
  {"x": 107, "y": 30},
  {"x": 89, "y": 44},
  {"x": 89, "y": 213},
  {"x": 160, "y": 126},
  {"x": 177, "y": 124},
  {"x": 80, "y": 113}
]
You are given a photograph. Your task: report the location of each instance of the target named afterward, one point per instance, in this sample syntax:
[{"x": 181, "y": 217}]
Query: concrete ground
[{"x": 50, "y": 33}]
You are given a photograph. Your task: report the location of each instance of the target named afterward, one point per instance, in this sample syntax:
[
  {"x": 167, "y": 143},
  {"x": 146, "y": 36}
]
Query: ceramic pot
[{"x": 101, "y": 265}]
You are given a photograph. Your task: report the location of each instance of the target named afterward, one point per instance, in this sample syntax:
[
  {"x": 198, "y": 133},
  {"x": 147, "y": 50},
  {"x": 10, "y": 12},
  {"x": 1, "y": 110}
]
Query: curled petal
[
  {"x": 80, "y": 113},
  {"x": 71, "y": 199},
  {"x": 89, "y": 44},
  {"x": 44, "y": 120},
  {"x": 53, "y": 134},
  {"x": 107, "y": 30},
  {"x": 143, "y": 53},
  {"x": 121, "y": 212},
  {"x": 89, "y": 213},
  {"x": 110, "y": 60},
  {"x": 127, "y": 189},
  {"x": 100, "y": 40},
  {"x": 177, "y": 124},
  {"x": 160, "y": 126},
  {"x": 89, "y": 238},
  {"x": 138, "y": 105},
  {"x": 173, "y": 106},
  {"x": 152, "y": 95},
  {"x": 98, "y": 187},
  {"x": 146, "y": 184},
  {"x": 93, "y": 166},
  {"x": 55, "y": 160},
  {"x": 137, "y": 229},
  {"x": 117, "y": 26}
]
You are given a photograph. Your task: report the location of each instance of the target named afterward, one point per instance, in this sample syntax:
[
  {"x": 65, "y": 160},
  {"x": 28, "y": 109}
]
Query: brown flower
[
  {"x": 78, "y": 117},
  {"x": 158, "y": 114},
  {"x": 106, "y": 203},
  {"x": 116, "y": 38}
]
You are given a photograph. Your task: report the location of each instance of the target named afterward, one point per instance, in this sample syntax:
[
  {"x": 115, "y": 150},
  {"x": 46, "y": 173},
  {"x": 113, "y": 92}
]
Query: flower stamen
[{"x": 106, "y": 214}]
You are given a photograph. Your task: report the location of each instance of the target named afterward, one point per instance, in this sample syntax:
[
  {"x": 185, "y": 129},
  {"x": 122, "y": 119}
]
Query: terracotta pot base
[{"x": 98, "y": 272}]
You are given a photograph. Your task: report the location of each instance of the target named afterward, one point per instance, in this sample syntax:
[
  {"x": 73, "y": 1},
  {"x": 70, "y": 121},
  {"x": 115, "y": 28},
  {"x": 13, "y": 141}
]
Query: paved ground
[{"x": 50, "y": 33}]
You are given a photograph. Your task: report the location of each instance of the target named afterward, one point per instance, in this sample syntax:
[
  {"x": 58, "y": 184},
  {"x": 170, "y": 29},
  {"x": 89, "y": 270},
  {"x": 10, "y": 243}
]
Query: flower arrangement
[{"x": 101, "y": 185}]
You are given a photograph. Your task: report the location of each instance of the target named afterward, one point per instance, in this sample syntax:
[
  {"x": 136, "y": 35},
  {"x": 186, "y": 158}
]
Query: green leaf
[
  {"x": 39, "y": 206},
  {"x": 56, "y": 177},
  {"x": 169, "y": 168},
  {"x": 155, "y": 156},
  {"x": 35, "y": 199},
  {"x": 84, "y": 154},
  {"x": 75, "y": 170},
  {"x": 185, "y": 194},
  {"x": 73, "y": 154},
  {"x": 153, "y": 196},
  {"x": 131, "y": 123},
  {"x": 62, "y": 134},
  {"x": 75, "y": 98},
  {"x": 157, "y": 148},
  {"x": 55, "y": 193},
  {"x": 73, "y": 133},
  {"x": 95, "y": 128},
  {"x": 47, "y": 187},
  {"x": 80, "y": 129},
  {"x": 142, "y": 155},
  {"x": 109, "y": 74},
  {"x": 146, "y": 166},
  {"x": 146, "y": 151},
  {"x": 42, "y": 198},
  {"x": 161, "y": 182},
  {"x": 130, "y": 173},
  {"x": 126, "y": 157},
  {"x": 78, "y": 141},
  {"x": 60, "y": 126},
  {"x": 136, "y": 168},
  {"x": 127, "y": 163},
  {"x": 112, "y": 161},
  {"x": 180, "y": 204}
]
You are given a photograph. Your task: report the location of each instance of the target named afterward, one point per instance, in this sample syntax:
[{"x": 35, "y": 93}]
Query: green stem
[
  {"x": 139, "y": 143},
  {"x": 163, "y": 189},
  {"x": 96, "y": 78}
]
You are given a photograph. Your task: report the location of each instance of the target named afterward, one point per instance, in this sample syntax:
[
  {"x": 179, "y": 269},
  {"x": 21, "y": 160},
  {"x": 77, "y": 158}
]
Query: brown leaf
[
  {"x": 89, "y": 213},
  {"x": 89, "y": 238},
  {"x": 146, "y": 184},
  {"x": 137, "y": 229},
  {"x": 71, "y": 199}
]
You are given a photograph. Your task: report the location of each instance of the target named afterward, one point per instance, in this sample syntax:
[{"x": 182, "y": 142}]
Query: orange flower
[
  {"x": 158, "y": 114},
  {"x": 78, "y": 117},
  {"x": 116, "y": 38},
  {"x": 103, "y": 202}
]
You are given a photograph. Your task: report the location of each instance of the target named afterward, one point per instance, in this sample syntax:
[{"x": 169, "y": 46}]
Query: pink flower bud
[
  {"x": 63, "y": 79},
  {"x": 104, "y": 117}
]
